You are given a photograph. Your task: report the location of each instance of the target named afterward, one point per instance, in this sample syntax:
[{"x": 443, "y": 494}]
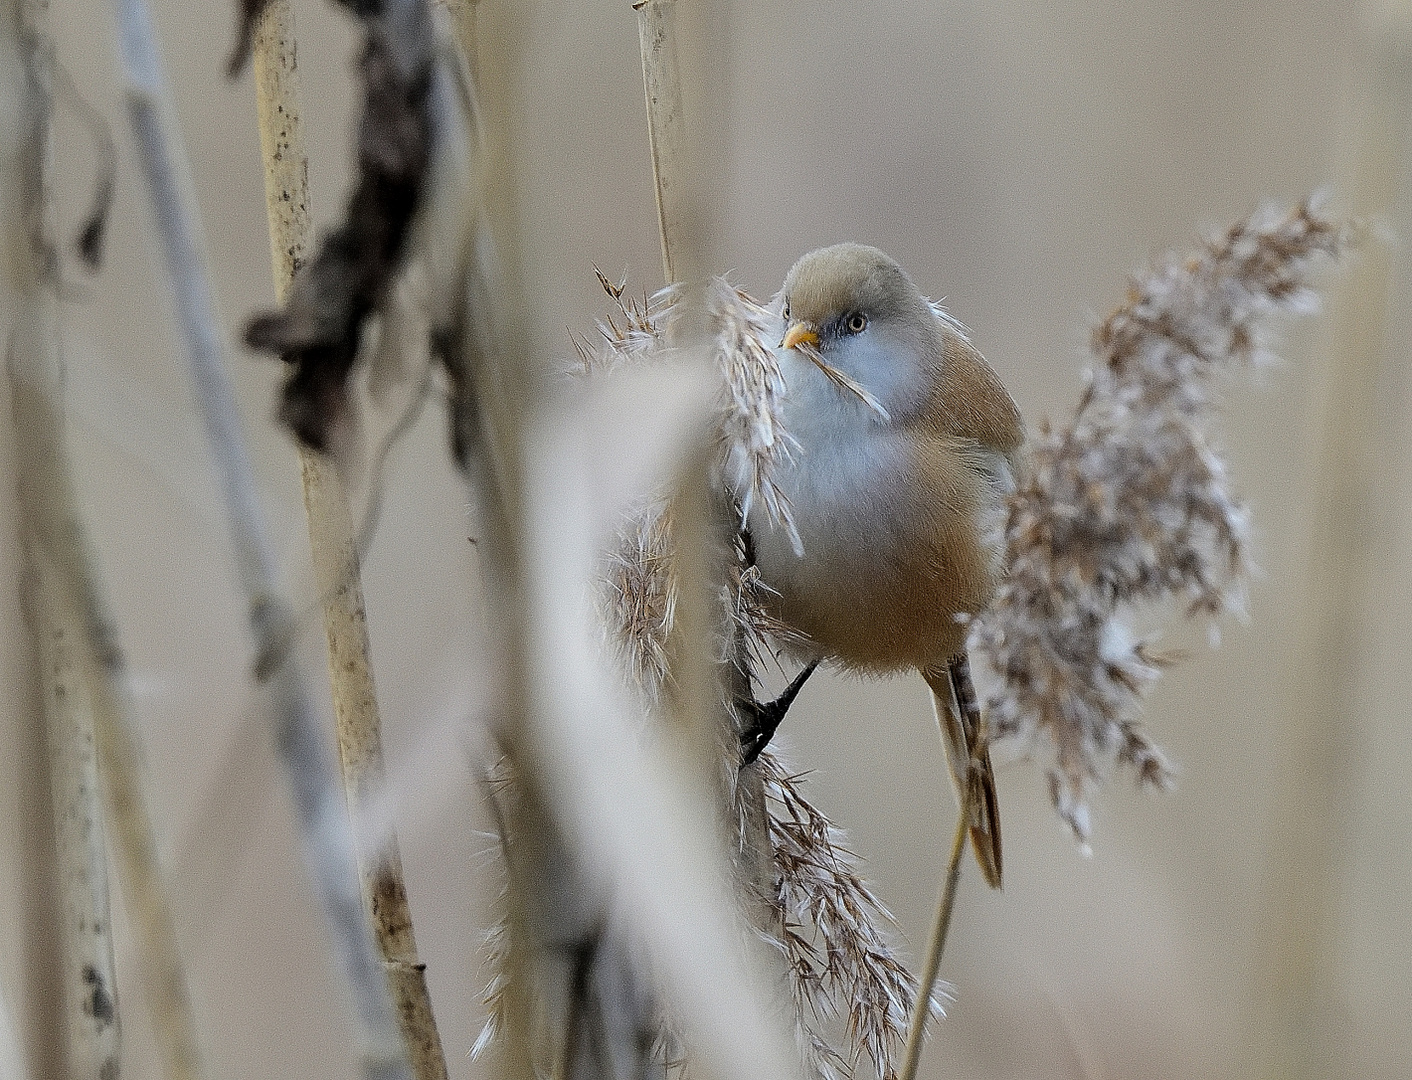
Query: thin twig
[
  {"x": 302, "y": 742},
  {"x": 936, "y": 945},
  {"x": 332, "y": 541}
]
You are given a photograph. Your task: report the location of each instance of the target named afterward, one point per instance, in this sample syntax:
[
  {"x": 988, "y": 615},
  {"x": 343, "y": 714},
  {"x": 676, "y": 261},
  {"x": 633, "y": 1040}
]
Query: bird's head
[{"x": 853, "y": 311}]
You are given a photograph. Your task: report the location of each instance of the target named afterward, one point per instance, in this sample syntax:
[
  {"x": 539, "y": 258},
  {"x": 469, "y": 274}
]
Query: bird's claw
[{"x": 764, "y": 719}]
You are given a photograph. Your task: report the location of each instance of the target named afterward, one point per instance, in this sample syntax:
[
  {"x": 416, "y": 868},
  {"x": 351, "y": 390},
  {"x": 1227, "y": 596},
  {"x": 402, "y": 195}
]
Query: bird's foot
[{"x": 764, "y": 720}]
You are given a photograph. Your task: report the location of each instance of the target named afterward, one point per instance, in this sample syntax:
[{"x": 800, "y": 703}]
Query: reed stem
[
  {"x": 335, "y": 558},
  {"x": 936, "y": 944}
]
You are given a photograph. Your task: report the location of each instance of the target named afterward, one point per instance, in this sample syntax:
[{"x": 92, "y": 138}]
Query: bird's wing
[
  {"x": 958, "y": 714},
  {"x": 968, "y": 399}
]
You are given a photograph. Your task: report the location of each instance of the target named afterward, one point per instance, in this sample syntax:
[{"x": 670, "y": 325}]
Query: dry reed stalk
[
  {"x": 90, "y": 980},
  {"x": 57, "y": 619},
  {"x": 707, "y": 648},
  {"x": 60, "y": 630},
  {"x": 11, "y": 1064},
  {"x": 104, "y": 676},
  {"x": 39, "y": 401},
  {"x": 463, "y": 18},
  {"x": 671, "y": 170},
  {"x": 328, "y": 840},
  {"x": 936, "y": 941},
  {"x": 694, "y": 702},
  {"x": 335, "y": 557},
  {"x": 146, "y": 896}
]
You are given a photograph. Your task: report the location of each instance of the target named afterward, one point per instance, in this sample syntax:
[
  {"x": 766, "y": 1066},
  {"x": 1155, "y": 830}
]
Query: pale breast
[{"x": 897, "y": 531}]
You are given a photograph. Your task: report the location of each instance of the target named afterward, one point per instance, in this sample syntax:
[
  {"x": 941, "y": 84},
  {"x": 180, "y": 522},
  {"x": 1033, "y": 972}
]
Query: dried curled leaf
[
  {"x": 319, "y": 332},
  {"x": 1129, "y": 504}
]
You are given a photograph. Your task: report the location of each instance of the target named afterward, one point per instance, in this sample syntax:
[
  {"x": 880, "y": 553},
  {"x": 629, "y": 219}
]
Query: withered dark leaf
[
  {"x": 249, "y": 15},
  {"x": 319, "y": 331}
]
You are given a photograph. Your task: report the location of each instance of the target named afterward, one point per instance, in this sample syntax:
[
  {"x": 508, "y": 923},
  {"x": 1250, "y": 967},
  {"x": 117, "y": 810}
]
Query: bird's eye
[
  {"x": 856, "y": 323},
  {"x": 786, "y": 311}
]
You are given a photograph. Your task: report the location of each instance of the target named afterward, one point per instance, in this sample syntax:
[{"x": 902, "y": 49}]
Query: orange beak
[{"x": 800, "y": 334}]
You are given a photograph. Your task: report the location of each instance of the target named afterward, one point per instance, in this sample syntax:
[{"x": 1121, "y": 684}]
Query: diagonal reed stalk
[
  {"x": 335, "y": 557},
  {"x": 936, "y": 943}
]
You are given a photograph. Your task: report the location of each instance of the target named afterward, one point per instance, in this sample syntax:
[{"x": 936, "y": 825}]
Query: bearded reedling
[{"x": 907, "y": 448}]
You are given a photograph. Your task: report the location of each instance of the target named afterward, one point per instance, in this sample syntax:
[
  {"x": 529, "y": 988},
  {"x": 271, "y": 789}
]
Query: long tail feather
[{"x": 958, "y": 714}]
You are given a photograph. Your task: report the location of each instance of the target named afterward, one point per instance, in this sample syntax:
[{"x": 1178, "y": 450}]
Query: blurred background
[{"x": 1020, "y": 159}]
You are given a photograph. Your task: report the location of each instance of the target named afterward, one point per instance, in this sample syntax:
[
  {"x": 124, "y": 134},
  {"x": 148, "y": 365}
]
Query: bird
[{"x": 907, "y": 446}]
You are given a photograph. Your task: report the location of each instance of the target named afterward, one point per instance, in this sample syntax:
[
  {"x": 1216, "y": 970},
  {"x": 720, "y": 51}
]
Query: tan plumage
[{"x": 897, "y": 491}]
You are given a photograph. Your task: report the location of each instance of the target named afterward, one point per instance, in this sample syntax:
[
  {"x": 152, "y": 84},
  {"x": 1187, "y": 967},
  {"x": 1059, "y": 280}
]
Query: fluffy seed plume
[
  {"x": 742, "y": 336},
  {"x": 1129, "y": 504},
  {"x": 831, "y": 930},
  {"x": 751, "y": 436}
]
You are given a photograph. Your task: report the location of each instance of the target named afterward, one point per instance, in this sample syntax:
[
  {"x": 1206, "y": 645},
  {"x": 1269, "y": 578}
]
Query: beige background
[{"x": 1020, "y": 158}]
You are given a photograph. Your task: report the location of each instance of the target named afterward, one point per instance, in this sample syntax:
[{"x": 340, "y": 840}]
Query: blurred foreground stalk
[
  {"x": 336, "y": 571},
  {"x": 619, "y": 886},
  {"x": 89, "y": 1023}
]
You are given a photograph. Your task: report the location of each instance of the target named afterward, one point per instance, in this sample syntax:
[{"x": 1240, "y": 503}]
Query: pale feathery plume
[
  {"x": 830, "y": 930},
  {"x": 640, "y": 597},
  {"x": 828, "y": 926},
  {"x": 1130, "y": 505},
  {"x": 743, "y": 334}
]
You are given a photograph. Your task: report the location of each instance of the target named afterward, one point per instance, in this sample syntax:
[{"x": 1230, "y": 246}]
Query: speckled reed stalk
[
  {"x": 336, "y": 570},
  {"x": 53, "y": 587}
]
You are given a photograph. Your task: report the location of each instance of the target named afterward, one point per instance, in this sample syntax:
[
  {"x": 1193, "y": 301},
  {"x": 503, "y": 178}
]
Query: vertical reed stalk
[
  {"x": 56, "y": 618},
  {"x": 704, "y": 526},
  {"x": 1296, "y": 1007},
  {"x": 463, "y": 17},
  {"x": 90, "y": 981},
  {"x": 335, "y": 557},
  {"x": 146, "y": 897},
  {"x": 55, "y": 520},
  {"x": 322, "y": 816},
  {"x": 11, "y": 1066},
  {"x": 102, "y": 674},
  {"x": 666, "y": 132}
]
